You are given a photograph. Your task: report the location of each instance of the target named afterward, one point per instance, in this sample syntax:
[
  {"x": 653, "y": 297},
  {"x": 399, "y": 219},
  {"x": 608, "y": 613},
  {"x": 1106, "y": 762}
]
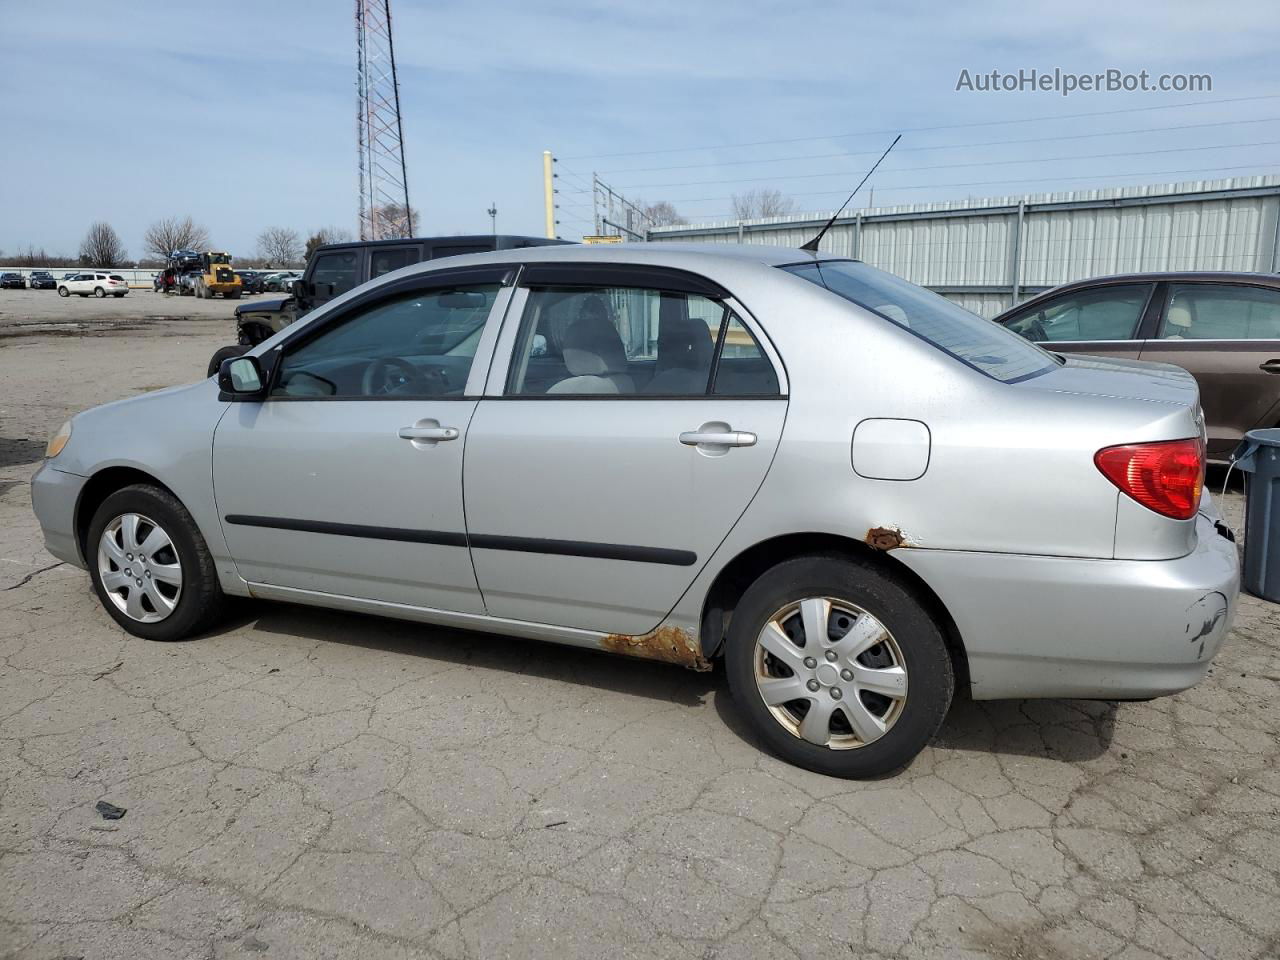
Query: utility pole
[
  {"x": 493, "y": 216},
  {"x": 548, "y": 194}
]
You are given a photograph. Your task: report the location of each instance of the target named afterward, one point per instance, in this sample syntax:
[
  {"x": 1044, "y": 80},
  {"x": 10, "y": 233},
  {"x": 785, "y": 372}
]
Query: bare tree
[
  {"x": 761, "y": 202},
  {"x": 280, "y": 246},
  {"x": 174, "y": 233},
  {"x": 101, "y": 246},
  {"x": 393, "y": 221},
  {"x": 326, "y": 235},
  {"x": 662, "y": 213}
]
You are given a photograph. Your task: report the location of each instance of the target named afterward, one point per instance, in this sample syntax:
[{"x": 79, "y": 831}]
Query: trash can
[{"x": 1258, "y": 458}]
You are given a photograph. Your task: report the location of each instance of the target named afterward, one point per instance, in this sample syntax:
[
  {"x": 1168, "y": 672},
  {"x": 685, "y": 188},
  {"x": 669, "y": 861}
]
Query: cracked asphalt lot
[{"x": 311, "y": 784}]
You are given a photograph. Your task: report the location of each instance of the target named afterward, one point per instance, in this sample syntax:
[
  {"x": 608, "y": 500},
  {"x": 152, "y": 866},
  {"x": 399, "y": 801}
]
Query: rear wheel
[
  {"x": 99, "y": 292},
  {"x": 150, "y": 566},
  {"x": 838, "y": 667}
]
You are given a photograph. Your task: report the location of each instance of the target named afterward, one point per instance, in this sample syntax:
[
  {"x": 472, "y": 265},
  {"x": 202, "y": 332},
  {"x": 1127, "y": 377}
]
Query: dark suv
[
  {"x": 1224, "y": 328},
  {"x": 338, "y": 267},
  {"x": 12, "y": 281}
]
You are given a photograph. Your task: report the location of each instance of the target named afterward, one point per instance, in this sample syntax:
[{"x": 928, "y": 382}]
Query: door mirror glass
[
  {"x": 241, "y": 376},
  {"x": 299, "y": 289}
]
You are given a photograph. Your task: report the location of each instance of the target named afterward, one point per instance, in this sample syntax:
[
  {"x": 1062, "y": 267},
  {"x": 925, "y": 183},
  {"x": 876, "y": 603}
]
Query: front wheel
[
  {"x": 224, "y": 353},
  {"x": 150, "y": 566},
  {"x": 838, "y": 667},
  {"x": 64, "y": 292}
]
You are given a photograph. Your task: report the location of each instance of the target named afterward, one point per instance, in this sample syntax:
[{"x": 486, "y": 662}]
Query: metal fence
[
  {"x": 989, "y": 254},
  {"x": 137, "y": 278}
]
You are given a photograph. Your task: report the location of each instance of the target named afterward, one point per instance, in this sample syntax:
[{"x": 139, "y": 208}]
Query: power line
[
  {"x": 951, "y": 166},
  {"x": 953, "y": 146},
  {"x": 985, "y": 183},
  {"x": 945, "y": 126}
]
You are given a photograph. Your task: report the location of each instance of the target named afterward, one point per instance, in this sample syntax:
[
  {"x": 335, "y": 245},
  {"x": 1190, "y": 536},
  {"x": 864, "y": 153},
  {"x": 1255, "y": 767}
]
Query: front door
[
  {"x": 1228, "y": 337},
  {"x": 347, "y": 479},
  {"x": 610, "y": 458}
]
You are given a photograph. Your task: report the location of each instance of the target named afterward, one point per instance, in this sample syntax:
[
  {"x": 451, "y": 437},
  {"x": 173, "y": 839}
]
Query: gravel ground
[
  {"x": 28, "y": 312},
  {"x": 312, "y": 784}
]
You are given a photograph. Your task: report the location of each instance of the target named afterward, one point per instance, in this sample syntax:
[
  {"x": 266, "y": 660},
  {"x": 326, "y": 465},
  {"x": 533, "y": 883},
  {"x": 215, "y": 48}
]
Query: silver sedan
[{"x": 849, "y": 491}]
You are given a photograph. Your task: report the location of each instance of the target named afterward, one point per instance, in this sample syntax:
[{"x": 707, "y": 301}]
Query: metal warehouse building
[{"x": 989, "y": 254}]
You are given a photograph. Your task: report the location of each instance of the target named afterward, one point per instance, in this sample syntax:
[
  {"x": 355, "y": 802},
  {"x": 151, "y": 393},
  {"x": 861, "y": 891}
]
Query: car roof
[{"x": 688, "y": 255}]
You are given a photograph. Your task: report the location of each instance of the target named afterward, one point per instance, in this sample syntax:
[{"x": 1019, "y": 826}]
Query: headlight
[{"x": 58, "y": 440}]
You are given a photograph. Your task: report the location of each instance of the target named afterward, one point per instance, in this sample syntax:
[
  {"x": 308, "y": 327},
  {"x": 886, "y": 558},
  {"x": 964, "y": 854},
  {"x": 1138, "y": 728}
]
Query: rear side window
[
  {"x": 1107, "y": 313},
  {"x": 1212, "y": 311},
  {"x": 635, "y": 341},
  {"x": 386, "y": 259},
  {"x": 987, "y": 347}
]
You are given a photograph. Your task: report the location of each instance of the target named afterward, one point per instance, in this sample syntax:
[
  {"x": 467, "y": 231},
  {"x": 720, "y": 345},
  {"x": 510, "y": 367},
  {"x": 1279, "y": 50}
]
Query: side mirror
[
  {"x": 299, "y": 289},
  {"x": 241, "y": 377}
]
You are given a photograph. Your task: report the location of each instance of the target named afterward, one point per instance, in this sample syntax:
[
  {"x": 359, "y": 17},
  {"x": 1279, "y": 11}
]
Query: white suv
[{"x": 99, "y": 284}]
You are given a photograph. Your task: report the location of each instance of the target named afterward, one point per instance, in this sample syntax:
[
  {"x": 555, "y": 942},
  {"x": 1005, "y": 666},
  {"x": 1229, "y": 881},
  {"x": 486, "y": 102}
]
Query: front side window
[
  {"x": 334, "y": 274},
  {"x": 413, "y": 345},
  {"x": 1108, "y": 313},
  {"x": 1215, "y": 311},
  {"x": 590, "y": 341},
  {"x": 978, "y": 343}
]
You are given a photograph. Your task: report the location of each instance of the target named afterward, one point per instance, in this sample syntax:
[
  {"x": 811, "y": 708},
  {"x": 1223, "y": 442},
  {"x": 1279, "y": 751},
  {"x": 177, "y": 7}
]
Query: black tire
[
  {"x": 224, "y": 353},
  {"x": 64, "y": 292},
  {"x": 923, "y": 648},
  {"x": 233, "y": 295},
  {"x": 117, "y": 295},
  {"x": 99, "y": 292},
  {"x": 201, "y": 601}
]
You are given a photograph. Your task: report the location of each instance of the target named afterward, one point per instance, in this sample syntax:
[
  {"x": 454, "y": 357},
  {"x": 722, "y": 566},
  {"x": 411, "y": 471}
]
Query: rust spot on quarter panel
[
  {"x": 668, "y": 644},
  {"x": 885, "y": 538}
]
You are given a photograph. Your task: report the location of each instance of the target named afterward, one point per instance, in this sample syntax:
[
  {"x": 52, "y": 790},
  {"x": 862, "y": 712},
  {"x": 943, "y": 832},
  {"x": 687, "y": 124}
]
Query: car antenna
[{"x": 813, "y": 244}]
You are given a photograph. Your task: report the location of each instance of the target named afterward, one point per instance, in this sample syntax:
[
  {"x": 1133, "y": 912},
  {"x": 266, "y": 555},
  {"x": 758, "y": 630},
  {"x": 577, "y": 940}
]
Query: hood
[{"x": 261, "y": 306}]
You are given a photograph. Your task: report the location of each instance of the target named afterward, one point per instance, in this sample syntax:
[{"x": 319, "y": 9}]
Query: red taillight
[{"x": 1165, "y": 477}]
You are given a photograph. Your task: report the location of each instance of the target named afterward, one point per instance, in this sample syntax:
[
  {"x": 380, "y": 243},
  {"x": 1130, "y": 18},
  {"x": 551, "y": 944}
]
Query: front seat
[
  {"x": 594, "y": 356},
  {"x": 684, "y": 352}
]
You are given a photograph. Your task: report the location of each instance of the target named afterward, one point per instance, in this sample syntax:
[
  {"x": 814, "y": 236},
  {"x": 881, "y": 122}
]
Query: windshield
[{"x": 981, "y": 344}]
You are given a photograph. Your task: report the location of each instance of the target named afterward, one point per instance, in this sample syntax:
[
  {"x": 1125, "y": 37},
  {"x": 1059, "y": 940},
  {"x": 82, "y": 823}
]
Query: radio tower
[{"x": 384, "y": 182}]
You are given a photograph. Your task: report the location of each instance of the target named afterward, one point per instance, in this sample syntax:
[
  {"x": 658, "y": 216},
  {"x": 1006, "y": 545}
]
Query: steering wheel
[
  {"x": 386, "y": 375},
  {"x": 1037, "y": 331}
]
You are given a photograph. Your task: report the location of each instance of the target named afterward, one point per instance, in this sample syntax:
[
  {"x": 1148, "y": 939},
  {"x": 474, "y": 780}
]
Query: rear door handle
[{"x": 1271, "y": 366}]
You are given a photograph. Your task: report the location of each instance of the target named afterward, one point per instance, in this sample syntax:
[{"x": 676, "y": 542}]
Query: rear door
[
  {"x": 635, "y": 420},
  {"x": 1228, "y": 336},
  {"x": 1100, "y": 321}
]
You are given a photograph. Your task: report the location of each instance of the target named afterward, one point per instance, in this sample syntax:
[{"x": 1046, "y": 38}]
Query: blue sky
[{"x": 131, "y": 112}]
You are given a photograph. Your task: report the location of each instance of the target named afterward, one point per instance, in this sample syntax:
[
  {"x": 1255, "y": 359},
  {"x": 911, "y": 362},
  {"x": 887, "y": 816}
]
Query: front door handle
[
  {"x": 1271, "y": 366},
  {"x": 427, "y": 433},
  {"x": 727, "y": 438}
]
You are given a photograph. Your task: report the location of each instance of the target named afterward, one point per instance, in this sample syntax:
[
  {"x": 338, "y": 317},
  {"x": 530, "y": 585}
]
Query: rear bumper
[
  {"x": 54, "y": 495},
  {"x": 1096, "y": 629}
]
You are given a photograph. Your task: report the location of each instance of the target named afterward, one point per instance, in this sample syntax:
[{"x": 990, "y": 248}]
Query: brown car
[{"x": 1222, "y": 327}]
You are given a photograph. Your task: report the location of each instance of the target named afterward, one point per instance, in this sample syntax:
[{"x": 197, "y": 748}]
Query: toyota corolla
[{"x": 853, "y": 494}]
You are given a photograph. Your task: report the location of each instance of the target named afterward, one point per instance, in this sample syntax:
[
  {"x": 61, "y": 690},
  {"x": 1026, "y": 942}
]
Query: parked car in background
[
  {"x": 851, "y": 490},
  {"x": 251, "y": 281},
  {"x": 281, "y": 282},
  {"x": 96, "y": 283},
  {"x": 12, "y": 281},
  {"x": 1224, "y": 328},
  {"x": 42, "y": 280}
]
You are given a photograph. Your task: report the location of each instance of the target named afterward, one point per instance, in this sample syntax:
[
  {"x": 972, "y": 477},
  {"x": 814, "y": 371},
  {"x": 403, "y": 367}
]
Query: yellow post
[{"x": 548, "y": 194}]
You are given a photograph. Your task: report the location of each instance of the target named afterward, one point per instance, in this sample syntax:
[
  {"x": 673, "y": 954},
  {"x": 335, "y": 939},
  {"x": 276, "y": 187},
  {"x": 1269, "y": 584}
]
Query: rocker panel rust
[{"x": 668, "y": 644}]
